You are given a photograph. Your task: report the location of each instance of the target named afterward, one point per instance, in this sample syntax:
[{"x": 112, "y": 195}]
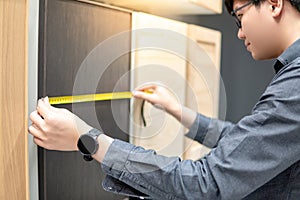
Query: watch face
[{"x": 86, "y": 144}]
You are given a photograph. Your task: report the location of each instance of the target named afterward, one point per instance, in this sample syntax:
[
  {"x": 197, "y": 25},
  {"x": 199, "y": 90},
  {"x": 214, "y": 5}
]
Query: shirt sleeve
[
  {"x": 250, "y": 154},
  {"x": 208, "y": 131}
]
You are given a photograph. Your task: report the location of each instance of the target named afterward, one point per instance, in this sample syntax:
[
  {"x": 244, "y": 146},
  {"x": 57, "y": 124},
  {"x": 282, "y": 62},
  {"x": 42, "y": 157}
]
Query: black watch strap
[
  {"x": 95, "y": 132},
  {"x": 88, "y": 157}
]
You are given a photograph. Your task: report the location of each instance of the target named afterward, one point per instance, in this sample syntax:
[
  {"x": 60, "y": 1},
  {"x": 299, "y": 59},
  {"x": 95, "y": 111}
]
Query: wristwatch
[{"x": 88, "y": 144}]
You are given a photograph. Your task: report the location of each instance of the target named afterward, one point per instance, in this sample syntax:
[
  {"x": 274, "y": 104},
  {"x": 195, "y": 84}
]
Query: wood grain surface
[{"x": 13, "y": 100}]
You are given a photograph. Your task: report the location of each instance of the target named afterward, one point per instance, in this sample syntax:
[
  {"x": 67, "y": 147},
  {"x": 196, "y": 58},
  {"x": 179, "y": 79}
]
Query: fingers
[
  {"x": 46, "y": 100},
  {"x": 145, "y": 92},
  {"x": 35, "y": 129},
  {"x": 142, "y": 95},
  {"x": 43, "y": 107},
  {"x": 36, "y": 119},
  {"x": 35, "y": 132},
  {"x": 38, "y": 142},
  {"x": 147, "y": 88}
]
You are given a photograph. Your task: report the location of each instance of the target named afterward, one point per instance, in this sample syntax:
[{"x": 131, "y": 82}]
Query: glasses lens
[
  {"x": 238, "y": 23},
  {"x": 237, "y": 20},
  {"x": 234, "y": 13}
]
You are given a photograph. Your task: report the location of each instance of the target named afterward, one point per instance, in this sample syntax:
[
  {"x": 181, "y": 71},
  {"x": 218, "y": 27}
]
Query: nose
[{"x": 241, "y": 34}]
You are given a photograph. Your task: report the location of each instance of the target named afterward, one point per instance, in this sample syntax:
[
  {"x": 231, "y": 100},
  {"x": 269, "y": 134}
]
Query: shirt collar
[{"x": 290, "y": 54}]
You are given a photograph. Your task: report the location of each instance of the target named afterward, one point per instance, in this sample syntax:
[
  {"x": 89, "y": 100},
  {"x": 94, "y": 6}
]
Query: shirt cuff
[
  {"x": 117, "y": 165},
  {"x": 115, "y": 158},
  {"x": 199, "y": 129}
]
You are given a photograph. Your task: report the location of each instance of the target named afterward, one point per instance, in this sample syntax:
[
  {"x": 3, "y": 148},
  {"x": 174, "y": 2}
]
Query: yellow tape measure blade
[{"x": 89, "y": 98}]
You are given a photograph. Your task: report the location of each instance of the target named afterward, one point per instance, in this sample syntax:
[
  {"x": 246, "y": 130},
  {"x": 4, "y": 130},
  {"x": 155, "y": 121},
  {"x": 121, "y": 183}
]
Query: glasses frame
[{"x": 235, "y": 16}]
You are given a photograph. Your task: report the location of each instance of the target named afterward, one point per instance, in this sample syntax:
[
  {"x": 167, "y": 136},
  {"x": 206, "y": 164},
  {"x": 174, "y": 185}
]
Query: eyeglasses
[{"x": 238, "y": 17}]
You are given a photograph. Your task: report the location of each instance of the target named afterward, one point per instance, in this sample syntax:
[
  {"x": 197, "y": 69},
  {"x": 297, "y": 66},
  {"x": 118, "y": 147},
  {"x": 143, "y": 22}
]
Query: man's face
[{"x": 258, "y": 29}]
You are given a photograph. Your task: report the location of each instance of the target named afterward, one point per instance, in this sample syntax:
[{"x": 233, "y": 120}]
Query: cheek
[
  {"x": 261, "y": 48},
  {"x": 260, "y": 31},
  {"x": 261, "y": 44}
]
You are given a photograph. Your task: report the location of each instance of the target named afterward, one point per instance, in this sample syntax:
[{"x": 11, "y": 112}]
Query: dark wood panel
[{"x": 69, "y": 30}]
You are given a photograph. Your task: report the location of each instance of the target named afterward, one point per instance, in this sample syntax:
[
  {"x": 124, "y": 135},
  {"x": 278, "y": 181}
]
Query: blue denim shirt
[{"x": 257, "y": 158}]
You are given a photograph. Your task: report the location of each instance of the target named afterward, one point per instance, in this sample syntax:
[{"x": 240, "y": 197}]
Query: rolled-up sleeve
[
  {"x": 208, "y": 131},
  {"x": 247, "y": 155}
]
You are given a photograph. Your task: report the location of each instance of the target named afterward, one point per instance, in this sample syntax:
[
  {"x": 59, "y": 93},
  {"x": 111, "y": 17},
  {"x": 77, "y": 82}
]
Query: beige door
[
  {"x": 160, "y": 55},
  {"x": 13, "y": 100},
  {"x": 203, "y": 77},
  {"x": 159, "y": 51}
]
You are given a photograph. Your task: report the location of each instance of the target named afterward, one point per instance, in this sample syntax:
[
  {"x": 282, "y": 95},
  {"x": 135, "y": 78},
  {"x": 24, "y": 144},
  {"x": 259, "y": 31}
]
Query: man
[{"x": 257, "y": 158}]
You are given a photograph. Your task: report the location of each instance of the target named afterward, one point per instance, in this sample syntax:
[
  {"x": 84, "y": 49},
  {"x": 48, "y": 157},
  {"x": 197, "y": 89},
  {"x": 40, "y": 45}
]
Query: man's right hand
[{"x": 159, "y": 97}]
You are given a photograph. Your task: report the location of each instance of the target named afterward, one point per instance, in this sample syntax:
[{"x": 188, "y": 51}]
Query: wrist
[
  {"x": 104, "y": 144},
  {"x": 81, "y": 126},
  {"x": 175, "y": 110}
]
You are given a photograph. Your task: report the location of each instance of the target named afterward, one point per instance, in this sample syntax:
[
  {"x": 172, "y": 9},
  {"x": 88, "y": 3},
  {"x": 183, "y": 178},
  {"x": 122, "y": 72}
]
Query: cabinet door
[
  {"x": 203, "y": 79},
  {"x": 159, "y": 51},
  {"x": 69, "y": 33}
]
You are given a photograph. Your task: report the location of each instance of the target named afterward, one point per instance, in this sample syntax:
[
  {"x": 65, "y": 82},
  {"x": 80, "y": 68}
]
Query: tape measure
[{"x": 89, "y": 98}]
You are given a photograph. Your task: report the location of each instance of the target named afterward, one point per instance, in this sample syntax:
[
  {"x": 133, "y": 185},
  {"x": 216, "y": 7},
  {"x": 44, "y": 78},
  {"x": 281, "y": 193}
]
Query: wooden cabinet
[
  {"x": 203, "y": 78},
  {"x": 170, "y": 7},
  {"x": 159, "y": 51},
  {"x": 70, "y": 62},
  {"x": 186, "y": 59},
  {"x": 13, "y": 100}
]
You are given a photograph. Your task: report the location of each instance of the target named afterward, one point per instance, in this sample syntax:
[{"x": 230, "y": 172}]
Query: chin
[{"x": 257, "y": 56}]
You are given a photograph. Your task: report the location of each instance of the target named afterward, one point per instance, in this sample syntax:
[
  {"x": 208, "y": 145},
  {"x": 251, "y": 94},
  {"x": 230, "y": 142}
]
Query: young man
[{"x": 257, "y": 158}]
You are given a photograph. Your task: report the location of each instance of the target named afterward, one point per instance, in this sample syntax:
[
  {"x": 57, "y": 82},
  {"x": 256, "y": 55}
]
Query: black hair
[
  {"x": 296, "y": 4},
  {"x": 229, "y": 4}
]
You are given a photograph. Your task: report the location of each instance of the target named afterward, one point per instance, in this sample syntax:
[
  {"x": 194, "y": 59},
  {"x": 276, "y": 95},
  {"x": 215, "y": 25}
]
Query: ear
[{"x": 276, "y": 7}]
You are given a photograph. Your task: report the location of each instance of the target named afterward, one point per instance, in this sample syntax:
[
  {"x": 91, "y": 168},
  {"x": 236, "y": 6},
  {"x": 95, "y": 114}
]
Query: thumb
[
  {"x": 138, "y": 94},
  {"x": 143, "y": 95},
  {"x": 46, "y": 101},
  {"x": 43, "y": 106}
]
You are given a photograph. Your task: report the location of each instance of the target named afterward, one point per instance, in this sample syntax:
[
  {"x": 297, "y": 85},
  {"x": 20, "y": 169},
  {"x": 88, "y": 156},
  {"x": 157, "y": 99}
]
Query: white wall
[{"x": 32, "y": 92}]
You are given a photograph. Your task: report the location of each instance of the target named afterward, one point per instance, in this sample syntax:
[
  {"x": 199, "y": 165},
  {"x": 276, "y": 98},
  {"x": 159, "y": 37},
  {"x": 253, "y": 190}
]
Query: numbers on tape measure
[{"x": 89, "y": 98}]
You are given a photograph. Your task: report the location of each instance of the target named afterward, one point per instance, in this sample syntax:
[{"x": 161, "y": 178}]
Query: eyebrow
[{"x": 234, "y": 7}]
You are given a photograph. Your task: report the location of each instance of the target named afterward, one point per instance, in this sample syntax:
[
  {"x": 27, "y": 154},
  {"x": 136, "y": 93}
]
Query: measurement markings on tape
[{"x": 89, "y": 98}]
